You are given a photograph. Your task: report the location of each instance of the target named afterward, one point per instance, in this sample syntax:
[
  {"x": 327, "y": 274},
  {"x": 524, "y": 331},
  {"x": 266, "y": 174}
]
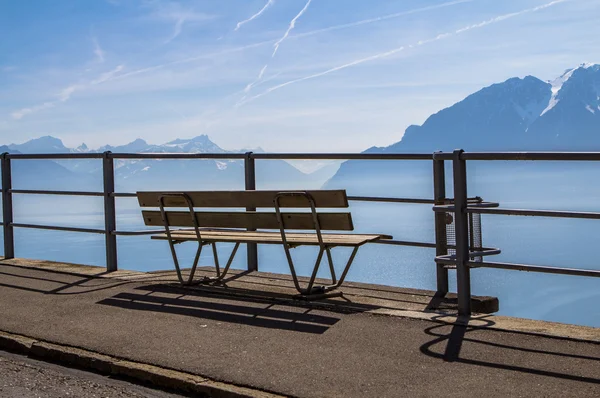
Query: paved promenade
[
  {"x": 22, "y": 377},
  {"x": 251, "y": 334}
]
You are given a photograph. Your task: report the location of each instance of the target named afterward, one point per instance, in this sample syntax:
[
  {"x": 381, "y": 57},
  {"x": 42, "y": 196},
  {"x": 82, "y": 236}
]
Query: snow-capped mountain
[
  {"x": 517, "y": 114},
  {"x": 42, "y": 173},
  {"x": 136, "y": 174},
  {"x": 571, "y": 120},
  {"x": 45, "y": 144}
]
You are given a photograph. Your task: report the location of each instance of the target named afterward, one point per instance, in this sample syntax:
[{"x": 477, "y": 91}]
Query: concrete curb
[{"x": 110, "y": 366}]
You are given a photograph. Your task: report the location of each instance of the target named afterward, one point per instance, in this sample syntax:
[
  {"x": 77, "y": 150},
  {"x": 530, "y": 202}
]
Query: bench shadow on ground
[
  {"x": 240, "y": 306},
  {"x": 264, "y": 283},
  {"x": 448, "y": 342}
]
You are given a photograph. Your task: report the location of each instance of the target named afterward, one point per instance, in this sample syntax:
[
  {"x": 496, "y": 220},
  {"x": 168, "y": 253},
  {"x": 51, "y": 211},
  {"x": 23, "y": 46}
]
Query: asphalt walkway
[{"x": 290, "y": 348}]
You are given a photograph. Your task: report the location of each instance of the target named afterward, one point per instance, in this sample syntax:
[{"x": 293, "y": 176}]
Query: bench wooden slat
[
  {"x": 252, "y": 220},
  {"x": 253, "y": 199},
  {"x": 274, "y": 238}
]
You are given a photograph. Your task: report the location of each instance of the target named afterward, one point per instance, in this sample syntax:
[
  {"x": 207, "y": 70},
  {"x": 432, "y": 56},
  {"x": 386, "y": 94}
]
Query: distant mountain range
[
  {"x": 140, "y": 174},
  {"x": 518, "y": 114}
]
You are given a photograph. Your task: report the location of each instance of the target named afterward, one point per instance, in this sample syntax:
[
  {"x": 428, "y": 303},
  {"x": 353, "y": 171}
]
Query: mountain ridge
[
  {"x": 518, "y": 114},
  {"x": 133, "y": 174}
]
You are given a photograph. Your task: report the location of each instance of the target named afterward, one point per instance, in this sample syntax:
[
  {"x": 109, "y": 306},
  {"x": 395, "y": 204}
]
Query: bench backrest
[{"x": 247, "y": 200}]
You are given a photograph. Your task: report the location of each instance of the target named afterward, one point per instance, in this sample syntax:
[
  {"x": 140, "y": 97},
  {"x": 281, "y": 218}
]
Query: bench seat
[
  {"x": 294, "y": 222},
  {"x": 293, "y": 238}
]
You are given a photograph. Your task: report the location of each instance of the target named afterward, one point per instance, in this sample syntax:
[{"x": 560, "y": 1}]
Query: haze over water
[{"x": 543, "y": 241}]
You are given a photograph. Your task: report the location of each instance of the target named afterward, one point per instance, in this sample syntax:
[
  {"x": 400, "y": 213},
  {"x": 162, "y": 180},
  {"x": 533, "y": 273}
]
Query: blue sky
[{"x": 337, "y": 75}]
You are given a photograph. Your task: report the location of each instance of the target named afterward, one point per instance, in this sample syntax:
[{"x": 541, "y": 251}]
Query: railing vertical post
[
  {"x": 7, "y": 208},
  {"x": 463, "y": 273},
  {"x": 110, "y": 216},
  {"x": 250, "y": 184},
  {"x": 441, "y": 247}
]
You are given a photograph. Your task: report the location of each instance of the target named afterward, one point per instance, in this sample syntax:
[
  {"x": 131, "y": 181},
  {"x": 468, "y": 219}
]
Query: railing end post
[
  {"x": 441, "y": 241},
  {"x": 250, "y": 185},
  {"x": 7, "y": 208},
  {"x": 461, "y": 224},
  {"x": 110, "y": 214}
]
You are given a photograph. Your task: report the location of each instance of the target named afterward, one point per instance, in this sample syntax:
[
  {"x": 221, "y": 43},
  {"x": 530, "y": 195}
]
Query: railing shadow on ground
[
  {"x": 81, "y": 285},
  {"x": 259, "y": 286},
  {"x": 273, "y": 313},
  {"x": 251, "y": 309},
  {"x": 458, "y": 336}
]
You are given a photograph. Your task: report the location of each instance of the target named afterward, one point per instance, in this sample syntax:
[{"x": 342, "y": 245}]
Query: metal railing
[
  {"x": 461, "y": 205},
  {"x": 109, "y": 194},
  {"x": 461, "y": 209}
]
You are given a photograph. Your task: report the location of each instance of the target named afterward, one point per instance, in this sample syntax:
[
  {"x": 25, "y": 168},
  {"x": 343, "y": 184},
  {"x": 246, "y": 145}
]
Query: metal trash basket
[{"x": 475, "y": 237}]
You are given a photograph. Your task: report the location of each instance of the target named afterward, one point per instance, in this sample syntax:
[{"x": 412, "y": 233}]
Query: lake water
[{"x": 543, "y": 241}]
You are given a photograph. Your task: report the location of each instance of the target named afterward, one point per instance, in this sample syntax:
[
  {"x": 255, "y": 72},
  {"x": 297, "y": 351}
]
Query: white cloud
[
  {"x": 66, "y": 93},
  {"x": 98, "y": 51},
  {"x": 19, "y": 114},
  {"x": 172, "y": 12}
]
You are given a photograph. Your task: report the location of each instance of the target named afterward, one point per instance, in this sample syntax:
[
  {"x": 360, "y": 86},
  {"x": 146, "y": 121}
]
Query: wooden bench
[{"x": 211, "y": 227}]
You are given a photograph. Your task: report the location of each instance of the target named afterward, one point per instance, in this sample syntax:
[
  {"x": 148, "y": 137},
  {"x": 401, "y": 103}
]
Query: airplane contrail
[
  {"x": 300, "y": 35},
  {"x": 260, "y": 75},
  {"x": 290, "y": 27},
  {"x": 380, "y": 18},
  {"x": 258, "y": 14},
  {"x": 277, "y": 44},
  {"x": 398, "y": 49}
]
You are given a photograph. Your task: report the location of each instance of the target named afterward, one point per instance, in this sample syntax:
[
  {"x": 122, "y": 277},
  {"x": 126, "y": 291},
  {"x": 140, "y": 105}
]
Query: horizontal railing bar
[
  {"x": 57, "y": 228},
  {"x": 135, "y": 233},
  {"x": 391, "y": 200},
  {"x": 536, "y": 213},
  {"x": 535, "y": 268},
  {"x": 544, "y": 156},
  {"x": 547, "y": 156},
  {"x": 344, "y": 156},
  {"x": 404, "y": 243},
  {"x": 177, "y": 155},
  {"x": 18, "y": 156},
  {"x": 443, "y": 156},
  {"x": 528, "y": 156},
  {"x": 44, "y": 192},
  {"x": 354, "y": 198}
]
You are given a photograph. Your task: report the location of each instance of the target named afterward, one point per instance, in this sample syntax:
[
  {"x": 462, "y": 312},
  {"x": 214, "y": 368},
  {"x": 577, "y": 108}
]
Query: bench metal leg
[
  {"x": 311, "y": 289},
  {"x": 221, "y": 275},
  {"x": 347, "y": 268},
  {"x": 178, "y": 268},
  {"x": 331, "y": 269},
  {"x": 190, "y": 280}
]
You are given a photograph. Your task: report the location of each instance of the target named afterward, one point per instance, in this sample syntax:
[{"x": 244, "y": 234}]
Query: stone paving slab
[{"x": 22, "y": 377}]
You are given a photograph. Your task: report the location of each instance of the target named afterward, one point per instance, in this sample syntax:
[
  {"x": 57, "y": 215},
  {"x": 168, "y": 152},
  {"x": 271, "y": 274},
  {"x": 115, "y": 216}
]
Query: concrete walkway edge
[{"x": 111, "y": 366}]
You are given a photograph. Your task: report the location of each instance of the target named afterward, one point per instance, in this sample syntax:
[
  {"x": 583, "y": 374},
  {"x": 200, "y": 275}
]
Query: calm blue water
[{"x": 544, "y": 241}]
